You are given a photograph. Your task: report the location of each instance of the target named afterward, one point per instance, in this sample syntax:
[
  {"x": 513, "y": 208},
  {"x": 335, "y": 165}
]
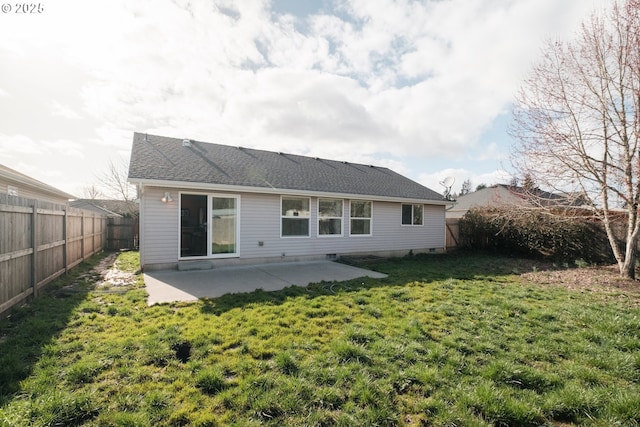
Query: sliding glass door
[{"x": 209, "y": 225}]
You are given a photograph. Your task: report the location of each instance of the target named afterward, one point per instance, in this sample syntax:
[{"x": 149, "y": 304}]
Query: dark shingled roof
[{"x": 167, "y": 159}]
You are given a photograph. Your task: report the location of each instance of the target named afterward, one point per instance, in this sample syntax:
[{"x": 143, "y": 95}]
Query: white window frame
[
  {"x": 413, "y": 205},
  {"x": 208, "y": 214},
  {"x": 341, "y": 218},
  {"x": 308, "y": 217},
  {"x": 351, "y": 218},
  {"x": 236, "y": 254}
]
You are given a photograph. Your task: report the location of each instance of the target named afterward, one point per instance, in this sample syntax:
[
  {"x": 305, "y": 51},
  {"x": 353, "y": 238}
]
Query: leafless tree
[
  {"x": 92, "y": 192},
  {"x": 466, "y": 187},
  {"x": 115, "y": 185},
  {"x": 115, "y": 181},
  {"x": 577, "y": 122}
]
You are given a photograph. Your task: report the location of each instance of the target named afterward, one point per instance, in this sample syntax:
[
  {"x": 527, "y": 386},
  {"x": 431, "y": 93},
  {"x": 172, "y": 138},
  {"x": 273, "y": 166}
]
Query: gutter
[{"x": 278, "y": 191}]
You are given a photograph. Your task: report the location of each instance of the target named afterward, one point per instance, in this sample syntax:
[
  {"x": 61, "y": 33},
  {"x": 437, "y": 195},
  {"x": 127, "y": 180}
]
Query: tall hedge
[{"x": 536, "y": 233}]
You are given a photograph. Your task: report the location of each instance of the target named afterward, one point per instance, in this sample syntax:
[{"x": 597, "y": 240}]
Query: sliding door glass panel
[
  {"x": 224, "y": 225},
  {"x": 193, "y": 225}
]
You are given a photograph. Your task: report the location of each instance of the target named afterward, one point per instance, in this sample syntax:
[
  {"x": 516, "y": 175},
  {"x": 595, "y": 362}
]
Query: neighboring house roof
[
  {"x": 162, "y": 161},
  {"x": 502, "y": 195},
  {"x": 26, "y": 184},
  {"x": 98, "y": 206}
]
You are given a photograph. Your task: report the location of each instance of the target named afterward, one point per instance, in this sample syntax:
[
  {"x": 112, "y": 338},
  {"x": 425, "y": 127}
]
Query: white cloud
[
  {"x": 59, "y": 110},
  {"x": 491, "y": 178},
  {"x": 469, "y": 59},
  {"x": 342, "y": 83},
  {"x": 14, "y": 147},
  {"x": 387, "y": 80},
  {"x": 51, "y": 161},
  {"x": 65, "y": 148},
  {"x": 491, "y": 152}
]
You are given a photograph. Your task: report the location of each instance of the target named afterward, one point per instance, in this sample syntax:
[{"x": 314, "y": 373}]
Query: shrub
[{"x": 536, "y": 233}]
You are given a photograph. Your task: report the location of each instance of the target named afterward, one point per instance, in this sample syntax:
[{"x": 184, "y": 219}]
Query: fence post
[
  {"x": 66, "y": 239},
  {"x": 93, "y": 239},
  {"x": 82, "y": 236},
  {"x": 34, "y": 245}
]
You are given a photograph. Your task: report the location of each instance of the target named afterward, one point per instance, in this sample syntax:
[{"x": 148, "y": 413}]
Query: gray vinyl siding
[
  {"x": 260, "y": 217},
  {"x": 159, "y": 227}
]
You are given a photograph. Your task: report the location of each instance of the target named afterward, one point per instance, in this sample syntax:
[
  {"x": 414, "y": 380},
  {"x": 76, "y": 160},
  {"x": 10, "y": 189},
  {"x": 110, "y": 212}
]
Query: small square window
[{"x": 412, "y": 214}]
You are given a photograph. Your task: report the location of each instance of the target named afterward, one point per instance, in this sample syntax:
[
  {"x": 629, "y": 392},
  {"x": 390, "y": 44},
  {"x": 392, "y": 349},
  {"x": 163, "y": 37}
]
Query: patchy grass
[{"x": 444, "y": 340}]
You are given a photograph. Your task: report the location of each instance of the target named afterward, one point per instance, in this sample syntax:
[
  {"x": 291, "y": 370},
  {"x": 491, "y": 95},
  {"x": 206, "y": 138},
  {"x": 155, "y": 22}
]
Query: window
[
  {"x": 360, "y": 218},
  {"x": 329, "y": 217},
  {"x": 411, "y": 214},
  {"x": 295, "y": 216}
]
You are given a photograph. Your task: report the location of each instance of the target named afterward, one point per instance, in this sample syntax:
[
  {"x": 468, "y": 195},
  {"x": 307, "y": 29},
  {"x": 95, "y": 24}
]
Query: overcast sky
[{"x": 422, "y": 87}]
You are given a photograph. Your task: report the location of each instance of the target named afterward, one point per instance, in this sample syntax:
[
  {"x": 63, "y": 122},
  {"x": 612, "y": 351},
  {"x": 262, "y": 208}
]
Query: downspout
[{"x": 141, "y": 226}]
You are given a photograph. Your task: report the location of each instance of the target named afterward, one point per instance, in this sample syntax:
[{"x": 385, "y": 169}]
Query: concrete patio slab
[{"x": 174, "y": 286}]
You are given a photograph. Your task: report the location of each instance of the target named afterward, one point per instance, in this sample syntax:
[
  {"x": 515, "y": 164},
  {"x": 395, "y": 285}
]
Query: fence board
[
  {"x": 63, "y": 237},
  {"x": 122, "y": 233},
  {"x": 15, "y": 254},
  {"x": 10, "y": 208},
  {"x": 452, "y": 230}
]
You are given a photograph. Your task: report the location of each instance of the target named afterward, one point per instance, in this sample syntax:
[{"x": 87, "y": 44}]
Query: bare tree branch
[
  {"x": 115, "y": 181},
  {"x": 577, "y": 121},
  {"x": 92, "y": 192}
]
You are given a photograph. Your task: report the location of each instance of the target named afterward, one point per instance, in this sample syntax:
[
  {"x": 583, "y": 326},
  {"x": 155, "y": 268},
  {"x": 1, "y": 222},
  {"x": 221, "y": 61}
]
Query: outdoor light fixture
[{"x": 166, "y": 198}]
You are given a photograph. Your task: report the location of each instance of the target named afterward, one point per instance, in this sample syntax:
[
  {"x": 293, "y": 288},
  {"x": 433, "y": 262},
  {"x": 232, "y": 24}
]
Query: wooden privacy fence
[
  {"x": 452, "y": 233},
  {"x": 40, "y": 241},
  {"x": 122, "y": 233}
]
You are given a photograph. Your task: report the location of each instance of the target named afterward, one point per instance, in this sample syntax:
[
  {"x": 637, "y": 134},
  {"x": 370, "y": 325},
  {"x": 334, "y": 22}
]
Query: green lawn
[{"x": 444, "y": 340}]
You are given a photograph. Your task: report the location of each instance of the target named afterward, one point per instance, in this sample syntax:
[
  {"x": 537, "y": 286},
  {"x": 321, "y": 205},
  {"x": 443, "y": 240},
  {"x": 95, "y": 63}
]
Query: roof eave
[
  {"x": 274, "y": 190},
  {"x": 33, "y": 184}
]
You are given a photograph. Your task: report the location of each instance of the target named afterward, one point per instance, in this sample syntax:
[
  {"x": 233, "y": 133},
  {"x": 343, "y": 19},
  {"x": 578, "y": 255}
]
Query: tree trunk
[{"x": 628, "y": 266}]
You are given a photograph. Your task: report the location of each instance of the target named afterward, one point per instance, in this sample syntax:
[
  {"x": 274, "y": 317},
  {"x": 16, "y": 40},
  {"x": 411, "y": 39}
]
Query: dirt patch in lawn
[
  {"x": 103, "y": 277},
  {"x": 111, "y": 275},
  {"x": 595, "y": 279}
]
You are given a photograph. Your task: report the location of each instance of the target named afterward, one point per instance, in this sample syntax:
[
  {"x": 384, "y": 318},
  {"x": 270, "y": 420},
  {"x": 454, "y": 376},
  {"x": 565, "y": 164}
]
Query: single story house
[
  {"x": 14, "y": 183},
  {"x": 94, "y": 206},
  {"x": 108, "y": 207},
  {"x": 204, "y": 205},
  {"x": 505, "y": 196}
]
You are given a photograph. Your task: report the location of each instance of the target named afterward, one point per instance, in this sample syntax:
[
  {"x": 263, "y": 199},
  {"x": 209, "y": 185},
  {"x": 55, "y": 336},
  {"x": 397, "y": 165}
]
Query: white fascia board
[
  {"x": 34, "y": 185},
  {"x": 274, "y": 190}
]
